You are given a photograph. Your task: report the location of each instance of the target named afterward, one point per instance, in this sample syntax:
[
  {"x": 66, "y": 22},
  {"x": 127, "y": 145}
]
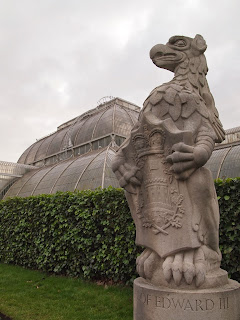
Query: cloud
[{"x": 58, "y": 58}]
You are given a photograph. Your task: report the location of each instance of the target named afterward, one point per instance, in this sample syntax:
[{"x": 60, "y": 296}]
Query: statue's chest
[
  {"x": 180, "y": 122},
  {"x": 162, "y": 206},
  {"x": 191, "y": 124}
]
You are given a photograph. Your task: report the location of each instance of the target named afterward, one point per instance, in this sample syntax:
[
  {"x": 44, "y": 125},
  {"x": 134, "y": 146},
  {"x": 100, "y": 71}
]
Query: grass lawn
[{"x": 34, "y": 295}]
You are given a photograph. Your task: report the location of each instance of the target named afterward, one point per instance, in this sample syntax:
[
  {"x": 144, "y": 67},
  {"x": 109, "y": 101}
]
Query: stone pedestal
[{"x": 162, "y": 303}]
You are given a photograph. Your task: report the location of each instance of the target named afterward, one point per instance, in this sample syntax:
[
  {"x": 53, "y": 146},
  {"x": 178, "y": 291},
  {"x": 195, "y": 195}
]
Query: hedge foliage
[
  {"x": 91, "y": 233},
  {"x": 228, "y": 192}
]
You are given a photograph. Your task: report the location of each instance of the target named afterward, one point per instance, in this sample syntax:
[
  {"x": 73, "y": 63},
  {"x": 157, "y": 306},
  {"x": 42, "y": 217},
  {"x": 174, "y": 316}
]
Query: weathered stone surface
[
  {"x": 172, "y": 197},
  {"x": 161, "y": 303}
]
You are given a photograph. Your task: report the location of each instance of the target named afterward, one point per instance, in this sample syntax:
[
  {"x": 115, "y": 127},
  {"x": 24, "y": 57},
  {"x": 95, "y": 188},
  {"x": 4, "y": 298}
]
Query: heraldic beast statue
[{"x": 171, "y": 195}]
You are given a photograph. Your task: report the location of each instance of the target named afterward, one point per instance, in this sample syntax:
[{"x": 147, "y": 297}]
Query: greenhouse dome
[
  {"x": 109, "y": 122},
  {"x": 79, "y": 154}
]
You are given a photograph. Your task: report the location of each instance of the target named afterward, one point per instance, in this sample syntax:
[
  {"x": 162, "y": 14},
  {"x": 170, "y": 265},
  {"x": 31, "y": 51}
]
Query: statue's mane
[{"x": 194, "y": 70}]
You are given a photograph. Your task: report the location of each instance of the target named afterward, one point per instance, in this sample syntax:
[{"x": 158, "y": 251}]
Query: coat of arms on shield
[{"x": 159, "y": 205}]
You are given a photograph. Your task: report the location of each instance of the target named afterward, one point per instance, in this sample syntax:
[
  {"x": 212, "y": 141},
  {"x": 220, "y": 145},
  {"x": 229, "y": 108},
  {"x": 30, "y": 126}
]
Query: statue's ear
[{"x": 199, "y": 43}]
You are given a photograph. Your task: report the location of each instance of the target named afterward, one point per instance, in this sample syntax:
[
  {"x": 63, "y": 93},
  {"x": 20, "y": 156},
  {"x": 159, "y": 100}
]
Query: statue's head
[{"x": 177, "y": 50}]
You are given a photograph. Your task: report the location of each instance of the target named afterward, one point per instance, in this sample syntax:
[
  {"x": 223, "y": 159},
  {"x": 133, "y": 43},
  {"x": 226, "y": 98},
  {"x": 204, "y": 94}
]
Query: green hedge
[
  {"x": 228, "y": 192},
  {"x": 91, "y": 233}
]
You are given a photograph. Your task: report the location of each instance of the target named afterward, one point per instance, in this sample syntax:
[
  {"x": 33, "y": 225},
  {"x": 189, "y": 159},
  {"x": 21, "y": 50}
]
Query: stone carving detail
[
  {"x": 171, "y": 195},
  {"x": 159, "y": 202}
]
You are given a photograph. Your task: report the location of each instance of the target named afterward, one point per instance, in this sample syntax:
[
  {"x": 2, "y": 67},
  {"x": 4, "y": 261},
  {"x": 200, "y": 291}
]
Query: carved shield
[{"x": 160, "y": 206}]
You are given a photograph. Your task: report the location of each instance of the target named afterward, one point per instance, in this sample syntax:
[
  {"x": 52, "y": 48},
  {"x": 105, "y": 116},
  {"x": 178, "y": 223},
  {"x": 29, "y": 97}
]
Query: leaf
[
  {"x": 175, "y": 110},
  {"x": 193, "y": 79},
  {"x": 162, "y": 109},
  {"x": 169, "y": 96},
  {"x": 155, "y": 98},
  {"x": 189, "y": 107},
  {"x": 202, "y": 109}
]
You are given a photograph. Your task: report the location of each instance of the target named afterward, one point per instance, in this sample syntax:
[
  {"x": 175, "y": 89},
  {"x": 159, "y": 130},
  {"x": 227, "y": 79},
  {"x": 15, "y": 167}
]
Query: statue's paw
[
  {"x": 146, "y": 263},
  {"x": 173, "y": 268},
  {"x": 185, "y": 265}
]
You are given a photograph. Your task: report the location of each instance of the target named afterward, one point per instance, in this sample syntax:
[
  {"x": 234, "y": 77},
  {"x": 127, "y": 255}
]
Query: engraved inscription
[
  {"x": 224, "y": 303},
  {"x": 189, "y": 305}
]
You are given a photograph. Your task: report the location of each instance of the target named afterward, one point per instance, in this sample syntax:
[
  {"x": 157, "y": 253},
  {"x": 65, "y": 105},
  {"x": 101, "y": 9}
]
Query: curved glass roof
[
  {"x": 225, "y": 161},
  {"x": 93, "y": 169},
  {"x": 88, "y": 171},
  {"x": 115, "y": 117},
  {"x": 9, "y": 173},
  {"x": 231, "y": 164},
  {"x": 79, "y": 154}
]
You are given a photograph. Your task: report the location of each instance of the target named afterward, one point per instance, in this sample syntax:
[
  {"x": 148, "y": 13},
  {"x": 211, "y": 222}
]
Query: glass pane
[
  {"x": 215, "y": 161},
  {"x": 56, "y": 144},
  {"x": 85, "y": 134},
  {"x": 122, "y": 122},
  {"x": 13, "y": 191},
  {"x": 48, "y": 181},
  {"x": 105, "y": 124},
  {"x": 42, "y": 151},
  {"x": 231, "y": 164},
  {"x": 119, "y": 140},
  {"x": 32, "y": 153}
]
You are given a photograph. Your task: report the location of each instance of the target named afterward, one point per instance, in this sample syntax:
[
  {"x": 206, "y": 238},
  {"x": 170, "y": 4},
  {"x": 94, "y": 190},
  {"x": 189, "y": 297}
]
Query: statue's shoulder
[
  {"x": 180, "y": 97},
  {"x": 157, "y": 94}
]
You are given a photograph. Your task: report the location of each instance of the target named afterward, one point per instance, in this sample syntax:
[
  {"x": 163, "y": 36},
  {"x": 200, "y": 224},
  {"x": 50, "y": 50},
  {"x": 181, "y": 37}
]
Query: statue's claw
[
  {"x": 167, "y": 268},
  {"x": 188, "y": 265},
  {"x": 200, "y": 274},
  {"x": 140, "y": 262},
  {"x": 146, "y": 263},
  {"x": 150, "y": 264},
  {"x": 177, "y": 268},
  {"x": 200, "y": 265},
  {"x": 189, "y": 272}
]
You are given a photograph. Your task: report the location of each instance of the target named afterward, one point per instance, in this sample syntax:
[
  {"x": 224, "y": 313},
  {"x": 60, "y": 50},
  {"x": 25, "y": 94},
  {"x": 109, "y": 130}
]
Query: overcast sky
[{"x": 59, "y": 57}]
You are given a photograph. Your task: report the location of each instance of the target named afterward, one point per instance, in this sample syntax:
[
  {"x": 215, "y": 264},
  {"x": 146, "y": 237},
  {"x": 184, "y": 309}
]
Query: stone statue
[{"x": 171, "y": 195}]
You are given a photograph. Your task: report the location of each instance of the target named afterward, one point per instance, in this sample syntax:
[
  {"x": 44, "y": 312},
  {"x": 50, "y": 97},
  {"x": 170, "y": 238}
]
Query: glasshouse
[{"x": 78, "y": 154}]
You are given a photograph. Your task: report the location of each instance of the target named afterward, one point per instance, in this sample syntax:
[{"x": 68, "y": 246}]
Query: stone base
[{"x": 162, "y": 303}]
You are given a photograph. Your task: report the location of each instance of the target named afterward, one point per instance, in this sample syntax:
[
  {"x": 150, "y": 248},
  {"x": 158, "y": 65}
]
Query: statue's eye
[{"x": 180, "y": 43}]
